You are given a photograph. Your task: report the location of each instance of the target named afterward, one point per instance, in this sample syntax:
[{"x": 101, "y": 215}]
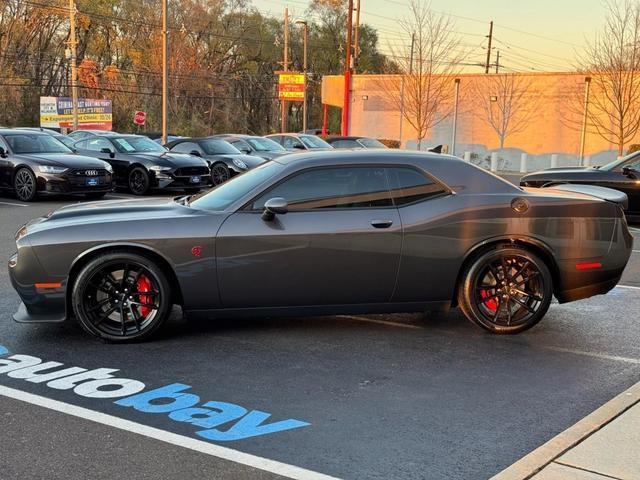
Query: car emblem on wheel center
[{"x": 91, "y": 173}]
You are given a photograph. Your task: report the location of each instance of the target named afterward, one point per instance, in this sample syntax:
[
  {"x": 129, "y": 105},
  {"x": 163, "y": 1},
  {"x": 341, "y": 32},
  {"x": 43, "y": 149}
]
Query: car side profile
[
  {"x": 299, "y": 141},
  {"x": 140, "y": 164},
  {"x": 622, "y": 175},
  {"x": 224, "y": 160},
  {"x": 324, "y": 233},
  {"x": 354, "y": 142},
  {"x": 36, "y": 163}
]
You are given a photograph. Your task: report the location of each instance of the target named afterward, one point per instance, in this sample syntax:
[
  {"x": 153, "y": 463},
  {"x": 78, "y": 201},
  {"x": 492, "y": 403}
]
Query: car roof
[
  {"x": 350, "y": 137},
  {"x": 9, "y": 131}
]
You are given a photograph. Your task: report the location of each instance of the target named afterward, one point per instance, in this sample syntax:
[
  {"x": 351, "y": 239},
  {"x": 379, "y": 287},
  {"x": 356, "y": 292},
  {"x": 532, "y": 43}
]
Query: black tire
[
  {"x": 138, "y": 181},
  {"x": 24, "y": 185},
  {"x": 109, "y": 305},
  {"x": 506, "y": 290},
  {"x": 219, "y": 173},
  {"x": 95, "y": 195}
]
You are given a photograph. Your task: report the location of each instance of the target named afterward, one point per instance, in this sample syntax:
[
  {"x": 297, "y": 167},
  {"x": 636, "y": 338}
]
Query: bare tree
[
  {"x": 506, "y": 103},
  {"x": 613, "y": 62},
  {"x": 424, "y": 88}
]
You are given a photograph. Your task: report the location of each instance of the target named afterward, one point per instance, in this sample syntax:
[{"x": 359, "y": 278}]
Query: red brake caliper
[
  {"x": 491, "y": 304},
  {"x": 144, "y": 285}
]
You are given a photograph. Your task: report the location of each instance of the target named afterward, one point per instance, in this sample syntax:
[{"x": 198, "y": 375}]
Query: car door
[
  {"x": 6, "y": 166},
  {"x": 338, "y": 244}
]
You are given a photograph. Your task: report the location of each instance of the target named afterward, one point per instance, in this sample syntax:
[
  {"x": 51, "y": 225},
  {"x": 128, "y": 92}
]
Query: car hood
[
  {"x": 167, "y": 159},
  {"x": 69, "y": 160}
]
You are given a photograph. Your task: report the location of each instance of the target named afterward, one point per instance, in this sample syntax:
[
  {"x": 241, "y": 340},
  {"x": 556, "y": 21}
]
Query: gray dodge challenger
[{"x": 325, "y": 233}]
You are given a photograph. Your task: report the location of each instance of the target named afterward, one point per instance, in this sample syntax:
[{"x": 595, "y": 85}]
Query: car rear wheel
[
  {"x": 121, "y": 297},
  {"x": 506, "y": 290},
  {"x": 138, "y": 181},
  {"x": 219, "y": 173},
  {"x": 24, "y": 185}
]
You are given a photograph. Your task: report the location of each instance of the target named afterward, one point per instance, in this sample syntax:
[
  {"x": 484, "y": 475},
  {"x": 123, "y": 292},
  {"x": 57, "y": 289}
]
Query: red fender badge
[{"x": 196, "y": 251}]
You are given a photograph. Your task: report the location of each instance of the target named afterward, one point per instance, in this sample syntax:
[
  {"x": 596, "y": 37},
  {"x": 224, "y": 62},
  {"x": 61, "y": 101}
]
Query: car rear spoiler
[{"x": 608, "y": 194}]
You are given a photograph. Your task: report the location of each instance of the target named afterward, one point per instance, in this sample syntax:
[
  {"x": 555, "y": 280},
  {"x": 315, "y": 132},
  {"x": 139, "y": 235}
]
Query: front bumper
[
  {"x": 69, "y": 183},
  {"x": 172, "y": 182},
  {"x": 43, "y": 296}
]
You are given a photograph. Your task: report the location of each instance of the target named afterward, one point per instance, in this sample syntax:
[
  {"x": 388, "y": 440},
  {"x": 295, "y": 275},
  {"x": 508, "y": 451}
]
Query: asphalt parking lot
[{"x": 385, "y": 396}]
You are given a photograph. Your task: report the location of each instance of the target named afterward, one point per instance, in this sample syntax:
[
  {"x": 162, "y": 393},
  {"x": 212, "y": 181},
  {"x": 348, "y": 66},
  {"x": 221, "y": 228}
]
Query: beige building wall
[{"x": 552, "y": 109}]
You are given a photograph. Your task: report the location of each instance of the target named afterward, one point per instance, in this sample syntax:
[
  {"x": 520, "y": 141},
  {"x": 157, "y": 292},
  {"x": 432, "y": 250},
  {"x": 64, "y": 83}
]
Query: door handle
[{"x": 381, "y": 223}]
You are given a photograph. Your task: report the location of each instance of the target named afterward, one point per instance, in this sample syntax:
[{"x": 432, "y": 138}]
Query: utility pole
[
  {"x": 356, "y": 39},
  {"x": 413, "y": 39},
  {"x": 455, "y": 117},
  {"x": 486, "y": 67},
  {"x": 74, "y": 62},
  {"x": 498, "y": 61},
  {"x": 285, "y": 66},
  {"x": 583, "y": 133},
  {"x": 347, "y": 73},
  {"x": 304, "y": 71},
  {"x": 165, "y": 69}
]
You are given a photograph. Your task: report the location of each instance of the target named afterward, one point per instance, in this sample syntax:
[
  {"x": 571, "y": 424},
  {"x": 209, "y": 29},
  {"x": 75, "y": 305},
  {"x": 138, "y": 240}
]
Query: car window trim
[
  {"x": 244, "y": 208},
  {"x": 446, "y": 190}
]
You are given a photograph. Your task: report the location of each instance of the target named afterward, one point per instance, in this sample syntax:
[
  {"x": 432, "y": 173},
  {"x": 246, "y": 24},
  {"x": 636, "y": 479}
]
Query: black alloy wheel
[
  {"x": 507, "y": 290},
  {"x": 138, "y": 181},
  {"x": 219, "y": 173},
  {"x": 121, "y": 297},
  {"x": 24, "y": 185}
]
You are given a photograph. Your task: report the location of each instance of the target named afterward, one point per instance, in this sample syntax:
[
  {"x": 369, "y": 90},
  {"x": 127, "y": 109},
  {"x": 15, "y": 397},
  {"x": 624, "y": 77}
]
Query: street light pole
[
  {"x": 304, "y": 71},
  {"x": 583, "y": 133},
  {"x": 73, "y": 61},
  {"x": 455, "y": 117},
  {"x": 165, "y": 69}
]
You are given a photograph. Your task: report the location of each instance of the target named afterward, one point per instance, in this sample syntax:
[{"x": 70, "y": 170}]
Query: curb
[{"x": 542, "y": 456}]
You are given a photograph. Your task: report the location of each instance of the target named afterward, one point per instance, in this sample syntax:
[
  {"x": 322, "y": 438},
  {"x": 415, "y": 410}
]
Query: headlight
[
  {"x": 51, "y": 169},
  {"x": 21, "y": 232},
  {"x": 108, "y": 167},
  {"x": 239, "y": 163},
  {"x": 157, "y": 168}
]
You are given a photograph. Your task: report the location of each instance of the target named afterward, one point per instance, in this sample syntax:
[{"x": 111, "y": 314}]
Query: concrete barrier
[
  {"x": 467, "y": 157},
  {"x": 554, "y": 160},
  {"x": 523, "y": 163},
  {"x": 494, "y": 162}
]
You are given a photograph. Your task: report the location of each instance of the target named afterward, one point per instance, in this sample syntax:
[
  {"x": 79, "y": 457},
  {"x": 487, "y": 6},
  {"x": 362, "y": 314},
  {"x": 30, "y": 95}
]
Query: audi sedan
[
  {"x": 224, "y": 159},
  {"x": 34, "y": 163},
  {"x": 140, "y": 164},
  {"x": 325, "y": 233}
]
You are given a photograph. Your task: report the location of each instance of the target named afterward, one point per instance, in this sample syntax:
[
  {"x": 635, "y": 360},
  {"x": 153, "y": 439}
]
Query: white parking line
[
  {"x": 283, "y": 469},
  {"x": 603, "y": 356},
  {"x": 15, "y": 204},
  {"x": 381, "y": 322},
  {"x": 630, "y": 287}
]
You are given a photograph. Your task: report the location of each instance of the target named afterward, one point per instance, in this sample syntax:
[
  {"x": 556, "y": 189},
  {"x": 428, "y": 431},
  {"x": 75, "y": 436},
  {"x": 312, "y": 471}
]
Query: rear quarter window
[{"x": 410, "y": 186}]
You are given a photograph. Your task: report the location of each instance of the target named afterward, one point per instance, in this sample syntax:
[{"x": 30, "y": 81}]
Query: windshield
[
  {"x": 216, "y": 147},
  {"x": 137, "y": 144},
  {"x": 232, "y": 190},
  {"x": 264, "y": 144},
  {"x": 618, "y": 163},
  {"x": 35, "y": 143},
  {"x": 371, "y": 143},
  {"x": 311, "y": 141}
]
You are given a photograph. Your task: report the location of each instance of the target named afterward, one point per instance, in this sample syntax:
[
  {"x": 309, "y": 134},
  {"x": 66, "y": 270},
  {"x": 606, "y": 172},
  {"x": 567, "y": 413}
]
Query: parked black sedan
[
  {"x": 33, "y": 162},
  {"x": 224, "y": 159},
  {"x": 253, "y": 145},
  {"x": 325, "y": 233},
  {"x": 622, "y": 175},
  {"x": 140, "y": 164}
]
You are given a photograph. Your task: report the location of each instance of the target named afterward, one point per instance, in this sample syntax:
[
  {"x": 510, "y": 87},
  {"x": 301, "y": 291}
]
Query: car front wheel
[
  {"x": 138, "y": 181},
  {"x": 219, "y": 173},
  {"x": 506, "y": 290},
  {"x": 24, "y": 185},
  {"x": 121, "y": 297}
]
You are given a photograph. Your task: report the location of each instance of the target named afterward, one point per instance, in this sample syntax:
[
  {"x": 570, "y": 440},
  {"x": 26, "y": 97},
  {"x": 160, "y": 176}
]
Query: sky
[{"x": 532, "y": 35}]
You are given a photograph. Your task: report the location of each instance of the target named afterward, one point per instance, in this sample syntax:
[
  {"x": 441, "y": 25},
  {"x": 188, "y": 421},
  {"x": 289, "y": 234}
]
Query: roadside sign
[
  {"x": 139, "y": 118},
  {"x": 57, "y": 112},
  {"x": 290, "y": 86}
]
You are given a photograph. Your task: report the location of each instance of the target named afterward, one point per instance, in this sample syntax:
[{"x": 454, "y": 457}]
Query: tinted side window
[
  {"x": 410, "y": 186},
  {"x": 358, "y": 187},
  {"x": 346, "y": 144},
  {"x": 292, "y": 142},
  {"x": 81, "y": 144},
  {"x": 185, "y": 147},
  {"x": 97, "y": 144}
]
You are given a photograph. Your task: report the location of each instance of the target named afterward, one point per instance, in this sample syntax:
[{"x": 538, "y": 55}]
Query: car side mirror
[
  {"x": 245, "y": 150},
  {"x": 3, "y": 154},
  {"x": 630, "y": 172},
  {"x": 108, "y": 150},
  {"x": 195, "y": 153},
  {"x": 274, "y": 206},
  {"x": 297, "y": 146}
]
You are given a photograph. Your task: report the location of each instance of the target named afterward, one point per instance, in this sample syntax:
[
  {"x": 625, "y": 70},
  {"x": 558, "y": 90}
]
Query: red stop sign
[{"x": 139, "y": 118}]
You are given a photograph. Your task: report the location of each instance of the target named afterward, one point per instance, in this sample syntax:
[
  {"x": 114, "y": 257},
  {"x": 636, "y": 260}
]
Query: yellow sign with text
[{"x": 290, "y": 86}]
